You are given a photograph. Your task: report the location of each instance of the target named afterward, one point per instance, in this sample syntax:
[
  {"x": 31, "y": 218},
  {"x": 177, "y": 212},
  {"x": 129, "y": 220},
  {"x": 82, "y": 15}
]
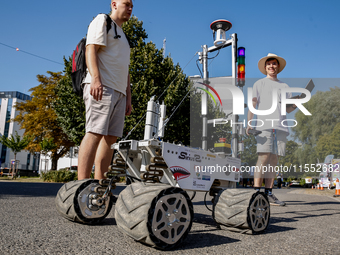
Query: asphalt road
[{"x": 30, "y": 224}]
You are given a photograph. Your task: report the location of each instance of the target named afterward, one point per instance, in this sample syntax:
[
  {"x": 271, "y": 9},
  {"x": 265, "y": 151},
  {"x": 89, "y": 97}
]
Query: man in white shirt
[
  {"x": 271, "y": 143},
  {"x": 107, "y": 93}
]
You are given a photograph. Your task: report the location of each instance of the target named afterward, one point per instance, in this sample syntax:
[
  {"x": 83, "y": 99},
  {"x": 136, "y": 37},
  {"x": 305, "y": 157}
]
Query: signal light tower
[
  {"x": 241, "y": 66},
  {"x": 219, "y": 28}
]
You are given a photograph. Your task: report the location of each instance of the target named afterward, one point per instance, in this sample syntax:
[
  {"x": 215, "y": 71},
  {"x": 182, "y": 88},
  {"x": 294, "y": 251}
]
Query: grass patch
[{"x": 22, "y": 179}]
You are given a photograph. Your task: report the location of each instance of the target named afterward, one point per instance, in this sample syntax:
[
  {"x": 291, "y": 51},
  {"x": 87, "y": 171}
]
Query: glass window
[
  {"x": 8, "y": 117},
  {"x": 28, "y": 160}
]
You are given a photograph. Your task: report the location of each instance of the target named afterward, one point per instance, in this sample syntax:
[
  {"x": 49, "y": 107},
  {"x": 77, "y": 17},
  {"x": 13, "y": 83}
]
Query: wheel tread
[
  {"x": 65, "y": 202},
  {"x": 133, "y": 207},
  {"x": 230, "y": 210}
]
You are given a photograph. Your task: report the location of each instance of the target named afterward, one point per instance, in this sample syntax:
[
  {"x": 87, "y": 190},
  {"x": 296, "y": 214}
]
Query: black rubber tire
[
  {"x": 242, "y": 211},
  {"x": 67, "y": 202},
  {"x": 136, "y": 208}
]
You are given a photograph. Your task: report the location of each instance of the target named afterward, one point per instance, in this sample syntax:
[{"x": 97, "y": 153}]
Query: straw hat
[{"x": 263, "y": 60}]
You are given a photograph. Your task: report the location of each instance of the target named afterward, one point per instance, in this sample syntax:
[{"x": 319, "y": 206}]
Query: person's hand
[
  {"x": 249, "y": 127},
  {"x": 128, "y": 109},
  {"x": 96, "y": 90}
]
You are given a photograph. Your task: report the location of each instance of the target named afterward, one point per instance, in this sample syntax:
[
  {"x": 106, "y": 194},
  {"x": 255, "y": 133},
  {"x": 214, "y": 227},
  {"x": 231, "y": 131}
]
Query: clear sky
[{"x": 304, "y": 32}]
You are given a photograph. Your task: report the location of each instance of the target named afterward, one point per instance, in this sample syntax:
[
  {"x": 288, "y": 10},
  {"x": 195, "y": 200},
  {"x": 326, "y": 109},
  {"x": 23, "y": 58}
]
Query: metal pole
[
  {"x": 234, "y": 137},
  {"x": 205, "y": 98},
  {"x": 71, "y": 155}
]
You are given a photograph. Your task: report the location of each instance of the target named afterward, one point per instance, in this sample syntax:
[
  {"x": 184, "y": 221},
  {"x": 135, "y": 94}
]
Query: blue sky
[{"x": 305, "y": 33}]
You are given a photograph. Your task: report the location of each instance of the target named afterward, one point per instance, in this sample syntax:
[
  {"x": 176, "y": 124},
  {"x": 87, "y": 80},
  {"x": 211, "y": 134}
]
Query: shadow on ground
[{"x": 29, "y": 189}]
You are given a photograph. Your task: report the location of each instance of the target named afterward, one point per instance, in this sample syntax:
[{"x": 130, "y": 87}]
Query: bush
[
  {"x": 59, "y": 176},
  {"x": 62, "y": 175},
  {"x": 302, "y": 182}
]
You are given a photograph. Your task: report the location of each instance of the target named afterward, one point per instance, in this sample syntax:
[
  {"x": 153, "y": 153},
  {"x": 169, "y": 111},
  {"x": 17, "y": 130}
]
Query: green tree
[
  {"x": 47, "y": 145},
  {"x": 306, "y": 154},
  {"x": 249, "y": 154},
  {"x": 290, "y": 158},
  {"x": 69, "y": 107},
  {"x": 152, "y": 74},
  {"x": 39, "y": 120},
  {"x": 325, "y": 111},
  {"x": 329, "y": 144},
  {"x": 135, "y": 31},
  {"x": 16, "y": 144}
]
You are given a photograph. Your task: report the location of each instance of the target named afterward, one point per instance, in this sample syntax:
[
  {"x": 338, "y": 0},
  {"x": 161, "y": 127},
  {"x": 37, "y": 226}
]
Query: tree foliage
[
  {"x": 16, "y": 143},
  {"x": 249, "y": 155},
  {"x": 69, "y": 107},
  {"x": 39, "y": 119},
  {"x": 47, "y": 145},
  {"x": 325, "y": 111},
  {"x": 151, "y": 75},
  {"x": 135, "y": 31},
  {"x": 290, "y": 158},
  {"x": 329, "y": 144}
]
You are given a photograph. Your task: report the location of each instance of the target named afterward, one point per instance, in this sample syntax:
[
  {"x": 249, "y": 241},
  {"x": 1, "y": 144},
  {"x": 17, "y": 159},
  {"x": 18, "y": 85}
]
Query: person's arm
[
  {"x": 96, "y": 87},
  {"x": 251, "y": 115},
  {"x": 128, "y": 97}
]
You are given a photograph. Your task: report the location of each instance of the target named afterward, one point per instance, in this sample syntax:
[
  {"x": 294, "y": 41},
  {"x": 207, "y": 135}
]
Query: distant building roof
[{"x": 14, "y": 94}]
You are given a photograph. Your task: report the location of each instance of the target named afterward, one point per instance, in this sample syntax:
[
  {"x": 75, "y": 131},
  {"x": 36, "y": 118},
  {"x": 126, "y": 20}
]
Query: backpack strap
[
  {"x": 108, "y": 27},
  {"x": 108, "y": 23},
  {"x": 115, "y": 26}
]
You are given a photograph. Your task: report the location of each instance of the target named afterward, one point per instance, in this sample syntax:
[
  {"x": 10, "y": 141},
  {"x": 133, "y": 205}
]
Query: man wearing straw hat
[{"x": 271, "y": 143}]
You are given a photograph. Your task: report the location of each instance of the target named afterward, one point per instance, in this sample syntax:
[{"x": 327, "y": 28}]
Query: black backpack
[{"x": 79, "y": 63}]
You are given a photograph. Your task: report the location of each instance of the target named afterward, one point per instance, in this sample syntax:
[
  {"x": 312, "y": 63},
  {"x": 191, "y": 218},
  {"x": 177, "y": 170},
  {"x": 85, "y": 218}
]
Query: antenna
[
  {"x": 164, "y": 47},
  {"x": 220, "y": 27}
]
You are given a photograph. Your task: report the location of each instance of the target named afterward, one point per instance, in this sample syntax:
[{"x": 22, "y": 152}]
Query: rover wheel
[
  {"x": 155, "y": 214},
  {"x": 75, "y": 201},
  {"x": 242, "y": 211}
]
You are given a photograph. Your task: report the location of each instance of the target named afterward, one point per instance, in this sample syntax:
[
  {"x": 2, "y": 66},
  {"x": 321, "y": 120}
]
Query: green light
[{"x": 241, "y": 60}]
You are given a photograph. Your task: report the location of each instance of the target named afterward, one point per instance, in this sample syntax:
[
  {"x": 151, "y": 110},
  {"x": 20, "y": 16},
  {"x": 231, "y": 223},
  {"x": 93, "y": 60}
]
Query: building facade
[{"x": 27, "y": 161}]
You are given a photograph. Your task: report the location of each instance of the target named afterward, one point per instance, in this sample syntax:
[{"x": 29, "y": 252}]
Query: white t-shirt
[
  {"x": 113, "y": 56},
  {"x": 263, "y": 91}
]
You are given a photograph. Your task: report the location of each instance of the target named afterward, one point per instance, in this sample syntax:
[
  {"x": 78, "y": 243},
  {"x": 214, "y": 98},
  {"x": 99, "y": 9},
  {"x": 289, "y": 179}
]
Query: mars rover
[{"x": 155, "y": 208}]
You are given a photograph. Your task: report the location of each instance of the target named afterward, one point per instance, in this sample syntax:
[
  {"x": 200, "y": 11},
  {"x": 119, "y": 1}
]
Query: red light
[{"x": 241, "y": 72}]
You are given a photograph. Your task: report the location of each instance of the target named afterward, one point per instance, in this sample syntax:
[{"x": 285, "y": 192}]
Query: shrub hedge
[{"x": 59, "y": 176}]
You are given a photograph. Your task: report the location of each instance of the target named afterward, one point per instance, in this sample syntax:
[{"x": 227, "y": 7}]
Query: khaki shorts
[
  {"x": 105, "y": 117},
  {"x": 266, "y": 142}
]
